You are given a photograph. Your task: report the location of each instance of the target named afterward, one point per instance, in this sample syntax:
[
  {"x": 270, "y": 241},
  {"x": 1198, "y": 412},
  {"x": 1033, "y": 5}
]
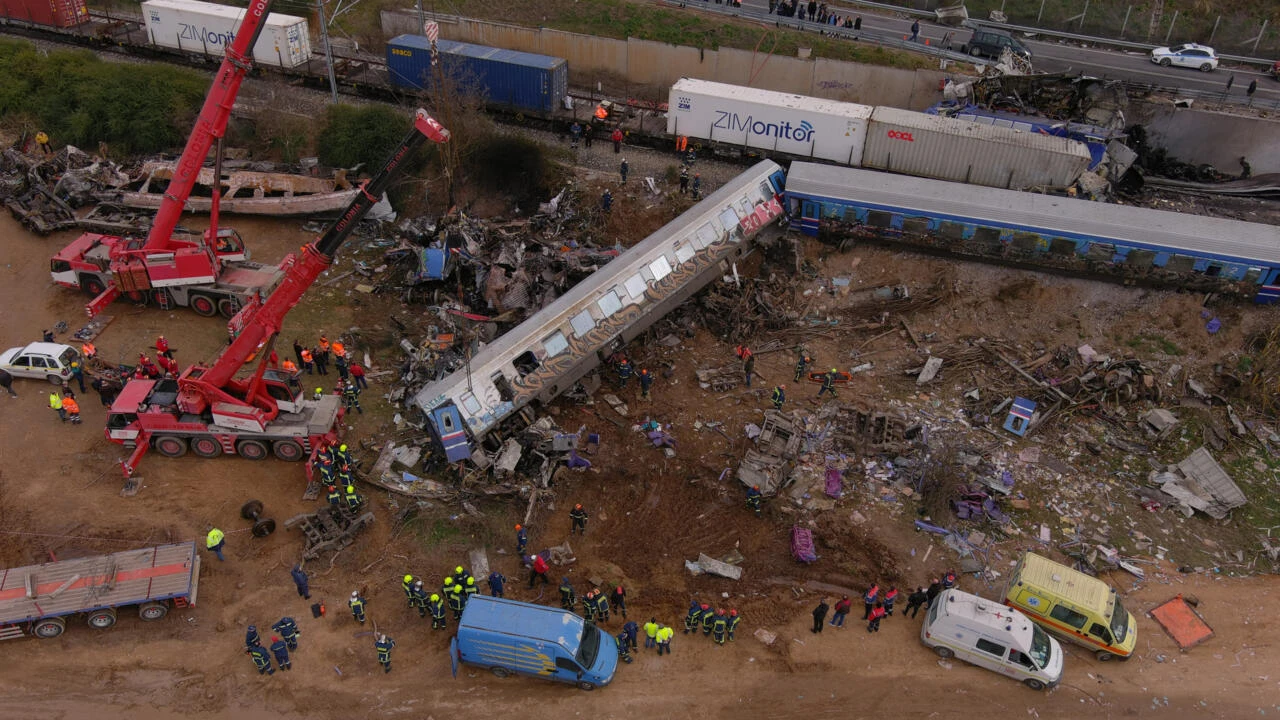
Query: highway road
[{"x": 1047, "y": 56}]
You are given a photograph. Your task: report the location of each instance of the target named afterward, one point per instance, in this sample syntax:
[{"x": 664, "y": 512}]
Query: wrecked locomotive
[
  {"x": 548, "y": 353},
  {"x": 1039, "y": 232}
]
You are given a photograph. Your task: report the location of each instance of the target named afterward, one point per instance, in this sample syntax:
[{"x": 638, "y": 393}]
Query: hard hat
[
  {"x": 351, "y": 488},
  {"x": 719, "y": 611},
  {"x": 644, "y": 371},
  {"x": 253, "y": 628},
  {"x": 457, "y": 588},
  {"x": 408, "y": 578},
  {"x": 448, "y": 580},
  {"x": 755, "y": 487},
  {"x": 519, "y": 526},
  {"x": 75, "y": 364},
  {"x": 782, "y": 387},
  {"x": 705, "y": 606},
  {"x": 320, "y": 390},
  {"x": 342, "y": 447},
  {"x": 578, "y": 506},
  {"x": 564, "y": 579},
  {"x": 435, "y": 597},
  {"x": 355, "y": 594},
  {"x": 834, "y": 370},
  {"x": 417, "y": 584},
  {"x": 733, "y": 613},
  {"x": 275, "y": 639},
  {"x": 471, "y": 581},
  {"x": 382, "y": 638}
]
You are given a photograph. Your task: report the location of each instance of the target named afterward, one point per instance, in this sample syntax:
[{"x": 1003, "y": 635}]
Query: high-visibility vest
[
  {"x": 215, "y": 537},
  {"x": 324, "y": 344},
  {"x": 289, "y": 366},
  {"x": 55, "y": 401},
  {"x": 306, "y": 356},
  {"x": 71, "y": 406},
  {"x": 339, "y": 349}
]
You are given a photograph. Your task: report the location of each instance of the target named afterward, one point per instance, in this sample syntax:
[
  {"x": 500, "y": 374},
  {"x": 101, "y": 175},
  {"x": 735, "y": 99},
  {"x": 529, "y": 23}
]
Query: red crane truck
[
  {"x": 38, "y": 599},
  {"x": 210, "y": 274},
  {"x": 211, "y": 412}
]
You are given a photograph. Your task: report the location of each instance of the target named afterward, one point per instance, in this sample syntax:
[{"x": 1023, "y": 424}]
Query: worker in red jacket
[
  {"x": 616, "y": 137},
  {"x": 539, "y": 570},
  {"x": 877, "y": 613},
  {"x": 869, "y": 601}
]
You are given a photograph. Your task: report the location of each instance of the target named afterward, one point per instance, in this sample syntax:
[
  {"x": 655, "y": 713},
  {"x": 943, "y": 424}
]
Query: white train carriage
[{"x": 546, "y": 354}]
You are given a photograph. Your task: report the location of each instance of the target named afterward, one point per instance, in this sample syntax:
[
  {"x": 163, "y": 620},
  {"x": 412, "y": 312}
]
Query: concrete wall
[
  {"x": 1206, "y": 136},
  {"x": 644, "y": 62}
]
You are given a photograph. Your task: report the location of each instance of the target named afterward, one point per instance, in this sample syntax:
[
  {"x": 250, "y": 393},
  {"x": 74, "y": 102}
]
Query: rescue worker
[
  {"x": 288, "y": 630},
  {"x": 351, "y": 397},
  {"x": 55, "y": 404},
  {"x": 801, "y": 366},
  {"x": 697, "y": 186},
  {"x": 334, "y": 497},
  {"x": 447, "y": 585},
  {"x": 339, "y": 350},
  {"x": 931, "y": 594},
  {"x": 357, "y": 374},
  {"x": 419, "y": 598},
  {"x": 383, "y": 646},
  {"x": 748, "y": 365},
  {"x": 456, "y": 601},
  {"x": 353, "y": 499},
  {"x": 616, "y": 138},
  {"x": 290, "y": 367},
  {"x": 618, "y": 596},
  {"x": 624, "y": 652},
  {"x": 342, "y": 456},
  {"x": 589, "y": 606},
  {"x": 522, "y": 540},
  {"x": 869, "y": 600},
  {"x": 461, "y": 575},
  {"x": 692, "y": 620},
  {"x": 301, "y": 582},
  {"x": 567, "y": 598},
  {"x": 496, "y": 582},
  {"x": 280, "y": 649},
  {"x": 840, "y": 610},
  {"x": 631, "y": 630},
  {"x": 89, "y": 351},
  {"x": 734, "y": 619},
  {"x": 214, "y": 543},
  {"x": 684, "y": 179},
  {"x": 163, "y": 349},
  {"x": 606, "y": 201},
  {"x": 624, "y": 373},
  {"x": 326, "y": 469},
  {"x": 708, "y": 620},
  {"x": 664, "y": 639},
  {"x": 624, "y": 169},
  {"x": 651, "y": 633},
  {"x": 356, "y": 603},
  {"x": 602, "y": 605},
  {"x": 308, "y": 362},
  {"x": 72, "y": 408},
  {"x": 829, "y": 383},
  {"x": 914, "y": 601},
  {"x": 779, "y": 396},
  {"x": 344, "y": 372},
  {"x": 436, "y": 606},
  {"x": 251, "y": 638},
  {"x": 889, "y": 599},
  {"x": 321, "y": 354},
  {"x": 77, "y": 373},
  {"x": 319, "y": 393},
  {"x": 407, "y": 584},
  {"x": 579, "y": 518},
  {"x": 42, "y": 142},
  {"x": 261, "y": 660},
  {"x": 948, "y": 580},
  {"x": 646, "y": 382},
  {"x": 876, "y": 614},
  {"x": 538, "y": 569},
  {"x": 470, "y": 588},
  {"x": 754, "y": 498},
  {"x": 719, "y": 626}
]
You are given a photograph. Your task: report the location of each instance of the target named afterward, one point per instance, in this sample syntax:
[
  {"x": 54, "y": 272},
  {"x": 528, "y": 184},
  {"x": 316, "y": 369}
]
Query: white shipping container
[
  {"x": 930, "y": 146},
  {"x": 209, "y": 29},
  {"x": 766, "y": 120}
]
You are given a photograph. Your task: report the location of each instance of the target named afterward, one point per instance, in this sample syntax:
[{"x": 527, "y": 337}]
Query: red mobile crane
[
  {"x": 210, "y": 274},
  {"x": 208, "y": 409}
]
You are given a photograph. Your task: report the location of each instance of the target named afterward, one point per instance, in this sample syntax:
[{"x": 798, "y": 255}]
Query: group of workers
[
  {"x": 284, "y": 642},
  {"x": 716, "y": 624},
  {"x": 335, "y": 468}
]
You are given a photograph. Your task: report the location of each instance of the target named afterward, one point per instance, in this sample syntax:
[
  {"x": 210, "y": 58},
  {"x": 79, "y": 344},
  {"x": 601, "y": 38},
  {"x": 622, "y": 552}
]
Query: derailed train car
[{"x": 546, "y": 354}]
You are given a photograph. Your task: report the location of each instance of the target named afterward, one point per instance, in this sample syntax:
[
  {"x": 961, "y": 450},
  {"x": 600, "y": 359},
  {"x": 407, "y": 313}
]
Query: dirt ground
[{"x": 648, "y": 514}]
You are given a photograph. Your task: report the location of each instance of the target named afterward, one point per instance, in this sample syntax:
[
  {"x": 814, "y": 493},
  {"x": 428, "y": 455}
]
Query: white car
[
  {"x": 1200, "y": 57},
  {"x": 41, "y": 360}
]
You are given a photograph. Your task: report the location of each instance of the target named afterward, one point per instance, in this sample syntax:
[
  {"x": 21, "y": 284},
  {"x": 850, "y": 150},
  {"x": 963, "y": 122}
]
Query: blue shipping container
[{"x": 502, "y": 77}]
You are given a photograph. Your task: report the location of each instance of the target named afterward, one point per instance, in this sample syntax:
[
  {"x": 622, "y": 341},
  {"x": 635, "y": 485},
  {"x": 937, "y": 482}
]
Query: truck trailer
[{"x": 207, "y": 29}]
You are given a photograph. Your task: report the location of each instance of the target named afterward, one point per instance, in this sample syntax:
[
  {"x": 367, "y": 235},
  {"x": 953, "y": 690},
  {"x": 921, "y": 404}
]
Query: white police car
[{"x": 1200, "y": 57}]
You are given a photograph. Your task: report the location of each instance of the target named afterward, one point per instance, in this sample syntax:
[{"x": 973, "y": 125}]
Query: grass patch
[{"x": 1154, "y": 344}]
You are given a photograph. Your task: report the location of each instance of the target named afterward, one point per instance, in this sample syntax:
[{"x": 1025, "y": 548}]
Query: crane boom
[{"x": 211, "y": 125}]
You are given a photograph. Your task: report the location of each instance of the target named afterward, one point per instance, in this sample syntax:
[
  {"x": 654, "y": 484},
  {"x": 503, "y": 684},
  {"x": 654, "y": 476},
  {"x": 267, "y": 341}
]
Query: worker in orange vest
[
  {"x": 339, "y": 349},
  {"x": 73, "y": 409},
  {"x": 88, "y": 350},
  {"x": 308, "y": 363},
  {"x": 290, "y": 367}
]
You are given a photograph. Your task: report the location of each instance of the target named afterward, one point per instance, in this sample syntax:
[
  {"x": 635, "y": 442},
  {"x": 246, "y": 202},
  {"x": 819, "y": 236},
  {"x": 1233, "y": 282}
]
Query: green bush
[
  {"x": 80, "y": 100},
  {"x": 360, "y": 136}
]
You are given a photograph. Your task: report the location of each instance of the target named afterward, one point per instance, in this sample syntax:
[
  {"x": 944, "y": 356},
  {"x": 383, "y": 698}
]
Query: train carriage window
[
  {"x": 1062, "y": 246},
  {"x": 684, "y": 252},
  {"x": 707, "y": 235},
  {"x": 1180, "y": 264},
  {"x": 470, "y": 404},
  {"x": 503, "y": 386},
  {"x": 1213, "y": 270},
  {"x": 555, "y": 344},
  {"x": 609, "y": 303},
  {"x": 1252, "y": 274},
  {"x": 636, "y": 286},
  {"x": 525, "y": 363},
  {"x": 916, "y": 225},
  {"x": 729, "y": 218},
  {"x": 1102, "y": 252},
  {"x": 660, "y": 268},
  {"x": 986, "y": 236},
  {"x": 951, "y": 230},
  {"x": 850, "y": 214},
  {"x": 1025, "y": 241},
  {"x": 766, "y": 190},
  {"x": 1140, "y": 258},
  {"x": 582, "y": 323},
  {"x": 876, "y": 218},
  {"x": 833, "y": 211}
]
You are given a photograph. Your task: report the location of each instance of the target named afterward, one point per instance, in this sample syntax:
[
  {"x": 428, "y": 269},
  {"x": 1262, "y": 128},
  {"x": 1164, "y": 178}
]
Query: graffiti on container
[{"x": 835, "y": 85}]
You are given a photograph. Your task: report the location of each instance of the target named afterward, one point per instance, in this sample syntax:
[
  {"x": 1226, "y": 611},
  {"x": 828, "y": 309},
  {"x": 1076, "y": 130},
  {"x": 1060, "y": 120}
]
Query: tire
[
  {"x": 203, "y": 305},
  {"x": 945, "y": 653},
  {"x": 584, "y": 685},
  {"x": 500, "y": 672},
  {"x": 55, "y": 379},
  {"x": 139, "y": 298},
  {"x": 206, "y": 447},
  {"x": 102, "y": 619},
  {"x": 49, "y": 628},
  {"x": 170, "y": 446},
  {"x": 1207, "y": 67},
  {"x": 227, "y": 308},
  {"x": 1104, "y": 656},
  {"x": 252, "y": 449},
  {"x": 91, "y": 285},
  {"x": 1165, "y": 62},
  {"x": 976, "y": 52},
  {"x": 1033, "y": 683},
  {"x": 288, "y": 450},
  {"x": 152, "y": 611},
  {"x": 251, "y": 510}
]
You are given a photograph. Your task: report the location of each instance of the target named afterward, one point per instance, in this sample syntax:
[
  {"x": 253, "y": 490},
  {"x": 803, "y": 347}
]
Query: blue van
[{"x": 515, "y": 638}]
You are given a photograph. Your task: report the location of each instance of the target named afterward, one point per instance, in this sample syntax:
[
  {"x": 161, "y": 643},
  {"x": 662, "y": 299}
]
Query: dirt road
[{"x": 60, "y": 497}]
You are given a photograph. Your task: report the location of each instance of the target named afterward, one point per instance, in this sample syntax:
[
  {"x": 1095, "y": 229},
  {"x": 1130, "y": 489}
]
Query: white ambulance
[{"x": 991, "y": 635}]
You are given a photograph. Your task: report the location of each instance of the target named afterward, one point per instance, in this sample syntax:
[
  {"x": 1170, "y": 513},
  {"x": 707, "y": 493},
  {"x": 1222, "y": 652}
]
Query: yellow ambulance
[{"x": 1073, "y": 606}]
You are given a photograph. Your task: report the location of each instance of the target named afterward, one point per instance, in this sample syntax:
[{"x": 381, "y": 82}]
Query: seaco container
[
  {"x": 942, "y": 148},
  {"x": 501, "y": 77},
  {"x": 207, "y": 29},
  {"x": 56, "y": 13},
  {"x": 778, "y": 122}
]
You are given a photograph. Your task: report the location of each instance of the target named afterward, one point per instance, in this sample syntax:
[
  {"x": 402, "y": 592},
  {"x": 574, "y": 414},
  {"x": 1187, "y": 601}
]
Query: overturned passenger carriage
[{"x": 546, "y": 354}]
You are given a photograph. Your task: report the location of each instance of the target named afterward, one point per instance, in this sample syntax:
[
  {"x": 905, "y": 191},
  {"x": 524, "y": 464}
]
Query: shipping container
[
  {"x": 55, "y": 13},
  {"x": 779, "y": 122},
  {"x": 501, "y": 77},
  {"x": 207, "y": 29},
  {"x": 913, "y": 143}
]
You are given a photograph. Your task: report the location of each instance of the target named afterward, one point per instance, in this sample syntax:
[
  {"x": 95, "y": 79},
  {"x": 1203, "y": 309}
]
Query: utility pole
[{"x": 328, "y": 51}]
